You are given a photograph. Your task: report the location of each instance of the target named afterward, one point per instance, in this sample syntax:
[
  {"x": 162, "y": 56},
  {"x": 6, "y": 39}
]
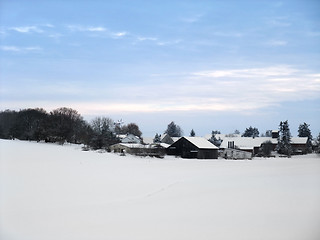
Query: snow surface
[
  {"x": 56, "y": 192},
  {"x": 201, "y": 142}
]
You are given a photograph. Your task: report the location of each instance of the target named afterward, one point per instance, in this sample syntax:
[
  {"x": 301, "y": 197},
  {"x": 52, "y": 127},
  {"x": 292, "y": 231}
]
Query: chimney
[{"x": 275, "y": 133}]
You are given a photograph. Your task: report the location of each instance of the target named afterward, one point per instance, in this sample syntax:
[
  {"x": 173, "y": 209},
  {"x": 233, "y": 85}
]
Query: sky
[{"x": 206, "y": 65}]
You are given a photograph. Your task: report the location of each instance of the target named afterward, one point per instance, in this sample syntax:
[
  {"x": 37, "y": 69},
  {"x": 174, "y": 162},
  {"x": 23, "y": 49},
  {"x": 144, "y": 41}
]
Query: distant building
[
  {"x": 231, "y": 153},
  {"x": 129, "y": 138},
  {"x": 253, "y": 145},
  {"x": 193, "y": 147},
  {"x": 156, "y": 150},
  {"x": 165, "y": 138}
]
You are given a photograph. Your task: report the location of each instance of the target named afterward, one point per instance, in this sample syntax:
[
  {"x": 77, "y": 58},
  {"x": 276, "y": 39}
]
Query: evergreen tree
[
  {"x": 251, "y": 132},
  {"x": 192, "y": 133},
  {"x": 157, "y": 138},
  {"x": 235, "y": 131},
  {"x": 284, "y": 139},
  {"x": 214, "y": 140},
  {"x": 266, "y": 148},
  {"x": 317, "y": 144},
  {"x": 268, "y": 133},
  {"x": 304, "y": 131},
  {"x": 173, "y": 130}
]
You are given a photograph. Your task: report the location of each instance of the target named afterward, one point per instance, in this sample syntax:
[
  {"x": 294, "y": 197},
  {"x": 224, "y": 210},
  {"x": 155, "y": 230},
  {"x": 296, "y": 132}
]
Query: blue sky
[{"x": 206, "y": 65}]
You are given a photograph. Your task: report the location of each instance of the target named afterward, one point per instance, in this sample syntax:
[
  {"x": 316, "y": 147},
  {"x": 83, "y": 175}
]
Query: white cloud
[
  {"x": 166, "y": 43},
  {"x": 226, "y": 90},
  {"x": 118, "y": 34},
  {"x": 55, "y": 35},
  {"x": 27, "y": 29},
  {"x": 10, "y": 48},
  {"x": 249, "y": 72},
  {"x": 19, "y": 49},
  {"x": 277, "y": 43},
  {"x": 96, "y": 29},
  {"x": 32, "y": 48},
  {"x": 86, "y": 28},
  {"x": 147, "y": 39},
  {"x": 246, "y": 90}
]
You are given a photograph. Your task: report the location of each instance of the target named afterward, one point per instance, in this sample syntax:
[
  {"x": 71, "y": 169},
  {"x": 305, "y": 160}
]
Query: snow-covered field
[{"x": 52, "y": 192}]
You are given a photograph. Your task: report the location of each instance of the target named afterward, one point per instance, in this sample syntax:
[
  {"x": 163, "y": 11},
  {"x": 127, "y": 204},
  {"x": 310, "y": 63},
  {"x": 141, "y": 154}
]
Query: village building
[
  {"x": 193, "y": 147},
  {"x": 154, "y": 150},
  {"x": 166, "y": 138},
  {"x": 253, "y": 145},
  {"x": 129, "y": 138}
]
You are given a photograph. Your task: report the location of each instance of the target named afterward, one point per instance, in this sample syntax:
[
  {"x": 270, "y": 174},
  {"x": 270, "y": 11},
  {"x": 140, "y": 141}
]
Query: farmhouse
[
  {"x": 247, "y": 144},
  {"x": 193, "y": 147},
  {"x": 252, "y": 145}
]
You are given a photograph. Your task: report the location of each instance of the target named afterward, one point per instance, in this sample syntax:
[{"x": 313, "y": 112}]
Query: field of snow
[{"x": 57, "y": 192}]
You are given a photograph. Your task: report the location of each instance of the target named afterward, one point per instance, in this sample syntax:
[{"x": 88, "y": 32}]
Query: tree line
[
  {"x": 67, "y": 125},
  {"x": 62, "y": 125}
]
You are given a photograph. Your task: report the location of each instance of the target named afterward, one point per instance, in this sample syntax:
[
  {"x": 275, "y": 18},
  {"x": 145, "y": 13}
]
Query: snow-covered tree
[
  {"x": 214, "y": 140},
  {"x": 157, "y": 138},
  {"x": 304, "y": 131},
  {"x": 173, "y": 130},
  {"x": 284, "y": 139}
]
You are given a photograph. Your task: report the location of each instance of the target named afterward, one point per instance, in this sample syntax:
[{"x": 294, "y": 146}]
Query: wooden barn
[{"x": 193, "y": 147}]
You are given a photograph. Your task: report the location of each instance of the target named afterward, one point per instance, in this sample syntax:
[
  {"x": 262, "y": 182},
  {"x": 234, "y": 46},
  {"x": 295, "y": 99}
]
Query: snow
[
  {"x": 247, "y": 142},
  {"x": 52, "y": 192},
  {"x": 250, "y": 143},
  {"x": 201, "y": 142}
]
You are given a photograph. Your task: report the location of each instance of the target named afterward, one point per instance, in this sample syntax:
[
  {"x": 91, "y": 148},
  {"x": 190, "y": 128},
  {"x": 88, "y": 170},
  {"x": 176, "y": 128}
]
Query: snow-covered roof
[
  {"x": 201, "y": 142},
  {"x": 164, "y": 145},
  {"x": 299, "y": 140},
  {"x": 139, "y": 145},
  {"x": 246, "y": 142},
  {"x": 163, "y": 136},
  {"x": 132, "y": 145},
  {"x": 148, "y": 140},
  {"x": 121, "y": 136},
  {"x": 175, "y": 138},
  {"x": 221, "y": 136},
  {"x": 250, "y": 143}
]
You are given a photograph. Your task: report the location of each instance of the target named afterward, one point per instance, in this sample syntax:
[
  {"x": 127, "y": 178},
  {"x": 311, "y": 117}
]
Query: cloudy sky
[{"x": 206, "y": 65}]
